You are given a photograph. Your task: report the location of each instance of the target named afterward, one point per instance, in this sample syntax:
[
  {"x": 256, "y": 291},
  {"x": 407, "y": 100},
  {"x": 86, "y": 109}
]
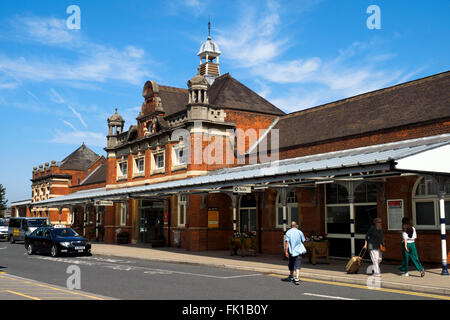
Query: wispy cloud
[
  {"x": 57, "y": 98},
  {"x": 45, "y": 30},
  {"x": 77, "y": 137},
  {"x": 92, "y": 62},
  {"x": 69, "y": 124},
  {"x": 256, "y": 45}
]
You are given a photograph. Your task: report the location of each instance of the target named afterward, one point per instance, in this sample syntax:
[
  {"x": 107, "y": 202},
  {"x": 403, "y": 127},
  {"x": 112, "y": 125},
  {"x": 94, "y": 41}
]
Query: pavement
[{"x": 433, "y": 282}]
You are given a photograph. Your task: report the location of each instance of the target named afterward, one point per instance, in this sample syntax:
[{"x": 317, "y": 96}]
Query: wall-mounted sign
[
  {"x": 104, "y": 203},
  {"x": 395, "y": 214},
  {"x": 242, "y": 189},
  {"x": 213, "y": 218}
]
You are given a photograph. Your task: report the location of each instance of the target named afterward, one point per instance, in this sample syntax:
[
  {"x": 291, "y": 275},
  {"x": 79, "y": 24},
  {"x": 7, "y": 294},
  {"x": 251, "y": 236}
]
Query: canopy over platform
[{"x": 424, "y": 155}]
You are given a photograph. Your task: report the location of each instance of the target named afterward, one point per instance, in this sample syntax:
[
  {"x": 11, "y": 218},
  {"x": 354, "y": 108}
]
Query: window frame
[
  {"x": 120, "y": 174},
  {"x": 289, "y": 206},
  {"x": 123, "y": 213},
  {"x": 427, "y": 198},
  {"x": 154, "y": 162},
  {"x": 347, "y": 204},
  {"x": 176, "y": 149},
  {"x": 182, "y": 204},
  {"x": 136, "y": 171}
]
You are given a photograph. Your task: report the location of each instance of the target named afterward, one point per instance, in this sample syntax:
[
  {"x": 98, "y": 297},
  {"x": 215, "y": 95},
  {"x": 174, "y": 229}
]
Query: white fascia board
[{"x": 434, "y": 160}]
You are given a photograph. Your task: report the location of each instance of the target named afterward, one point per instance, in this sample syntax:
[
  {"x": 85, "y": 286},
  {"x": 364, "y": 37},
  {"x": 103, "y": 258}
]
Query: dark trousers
[{"x": 295, "y": 263}]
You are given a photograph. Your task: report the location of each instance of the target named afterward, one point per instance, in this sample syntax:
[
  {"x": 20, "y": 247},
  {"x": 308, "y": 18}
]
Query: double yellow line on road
[
  {"x": 412, "y": 293},
  {"x": 65, "y": 291}
]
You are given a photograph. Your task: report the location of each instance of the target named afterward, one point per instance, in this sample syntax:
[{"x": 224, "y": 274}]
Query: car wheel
[
  {"x": 30, "y": 249},
  {"x": 11, "y": 239},
  {"x": 54, "y": 251}
]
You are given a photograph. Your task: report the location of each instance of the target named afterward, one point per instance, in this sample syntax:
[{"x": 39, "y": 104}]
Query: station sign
[
  {"x": 242, "y": 189},
  {"x": 104, "y": 203}
]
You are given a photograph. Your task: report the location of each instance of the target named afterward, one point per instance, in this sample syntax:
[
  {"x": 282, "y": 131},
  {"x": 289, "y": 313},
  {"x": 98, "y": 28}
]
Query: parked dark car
[{"x": 56, "y": 241}]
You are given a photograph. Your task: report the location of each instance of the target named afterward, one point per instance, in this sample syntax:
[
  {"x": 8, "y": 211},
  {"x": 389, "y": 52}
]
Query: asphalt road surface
[{"x": 136, "y": 279}]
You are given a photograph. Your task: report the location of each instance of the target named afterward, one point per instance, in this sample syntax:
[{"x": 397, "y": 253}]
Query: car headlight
[{"x": 65, "y": 244}]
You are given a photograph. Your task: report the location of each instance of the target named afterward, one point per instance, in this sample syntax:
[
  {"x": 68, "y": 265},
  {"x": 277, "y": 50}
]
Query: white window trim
[
  {"x": 288, "y": 211},
  {"x": 136, "y": 172},
  {"x": 427, "y": 198},
  {"x": 154, "y": 168},
  {"x": 182, "y": 203},
  {"x": 123, "y": 213},
  {"x": 120, "y": 174},
  {"x": 176, "y": 165}
]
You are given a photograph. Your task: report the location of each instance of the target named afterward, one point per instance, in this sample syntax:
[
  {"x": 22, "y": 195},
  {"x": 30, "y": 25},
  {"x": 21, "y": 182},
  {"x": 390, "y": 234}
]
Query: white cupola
[{"x": 209, "y": 59}]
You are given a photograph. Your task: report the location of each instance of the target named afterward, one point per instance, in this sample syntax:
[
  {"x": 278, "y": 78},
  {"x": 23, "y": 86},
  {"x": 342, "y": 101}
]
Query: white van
[{"x": 19, "y": 227}]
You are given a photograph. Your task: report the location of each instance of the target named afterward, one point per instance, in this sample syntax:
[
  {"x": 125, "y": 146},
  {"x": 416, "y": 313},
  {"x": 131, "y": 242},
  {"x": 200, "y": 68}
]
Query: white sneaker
[{"x": 405, "y": 274}]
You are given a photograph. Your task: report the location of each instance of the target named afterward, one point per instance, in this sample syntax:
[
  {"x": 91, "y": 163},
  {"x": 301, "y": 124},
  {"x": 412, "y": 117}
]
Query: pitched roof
[
  {"x": 226, "y": 92},
  {"x": 413, "y": 102},
  {"x": 173, "y": 99},
  {"x": 96, "y": 176},
  {"x": 81, "y": 159}
]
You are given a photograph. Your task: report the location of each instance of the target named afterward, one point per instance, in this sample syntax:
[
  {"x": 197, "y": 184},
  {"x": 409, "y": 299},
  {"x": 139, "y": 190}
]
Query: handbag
[{"x": 382, "y": 248}]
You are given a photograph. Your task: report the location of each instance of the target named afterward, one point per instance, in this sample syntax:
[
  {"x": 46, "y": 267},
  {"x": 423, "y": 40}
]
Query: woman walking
[
  {"x": 374, "y": 238},
  {"x": 402, "y": 266},
  {"x": 409, "y": 236}
]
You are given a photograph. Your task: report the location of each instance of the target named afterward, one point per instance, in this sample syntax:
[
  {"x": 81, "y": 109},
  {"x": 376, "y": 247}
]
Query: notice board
[
  {"x": 395, "y": 214},
  {"x": 213, "y": 218}
]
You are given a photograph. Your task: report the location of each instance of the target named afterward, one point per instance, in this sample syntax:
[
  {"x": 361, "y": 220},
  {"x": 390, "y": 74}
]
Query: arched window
[
  {"x": 426, "y": 204},
  {"x": 291, "y": 209}
]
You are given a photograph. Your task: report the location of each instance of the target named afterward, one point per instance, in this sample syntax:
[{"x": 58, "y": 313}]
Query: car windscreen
[
  {"x": 64, "y": 232},
  {"x": 3, "y": 223},
  {"x": 37, "y": 222}
]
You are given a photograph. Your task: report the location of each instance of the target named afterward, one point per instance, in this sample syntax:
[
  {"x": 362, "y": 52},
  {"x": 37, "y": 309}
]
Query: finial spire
[{"x": 209, "y": 28}]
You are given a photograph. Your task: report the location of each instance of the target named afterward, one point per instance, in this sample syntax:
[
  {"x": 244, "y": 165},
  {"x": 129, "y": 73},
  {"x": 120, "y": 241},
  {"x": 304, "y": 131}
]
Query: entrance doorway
[{"x": 151, "y": 222}]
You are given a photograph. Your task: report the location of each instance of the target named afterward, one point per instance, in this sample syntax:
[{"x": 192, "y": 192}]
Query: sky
[{"x": 59, "y": 84}]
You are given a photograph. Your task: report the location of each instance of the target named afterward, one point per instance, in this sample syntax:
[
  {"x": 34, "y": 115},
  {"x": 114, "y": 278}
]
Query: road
[{"x": 136, "y": 279}]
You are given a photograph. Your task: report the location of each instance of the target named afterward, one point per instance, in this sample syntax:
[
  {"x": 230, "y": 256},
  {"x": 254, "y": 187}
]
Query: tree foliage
[{"x": 3, "y": 200}]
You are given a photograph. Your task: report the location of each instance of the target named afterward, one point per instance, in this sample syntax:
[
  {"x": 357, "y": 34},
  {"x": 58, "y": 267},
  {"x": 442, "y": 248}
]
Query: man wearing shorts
[{"x": 294, "y": 248}]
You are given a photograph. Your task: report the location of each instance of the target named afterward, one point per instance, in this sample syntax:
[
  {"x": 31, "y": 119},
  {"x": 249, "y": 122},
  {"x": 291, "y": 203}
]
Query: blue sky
[{"x": 58, "y": 86}]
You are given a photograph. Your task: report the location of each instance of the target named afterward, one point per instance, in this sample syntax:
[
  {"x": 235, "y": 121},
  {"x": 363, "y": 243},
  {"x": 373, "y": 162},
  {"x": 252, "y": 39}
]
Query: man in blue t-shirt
[{"x": 294, "y": 248}]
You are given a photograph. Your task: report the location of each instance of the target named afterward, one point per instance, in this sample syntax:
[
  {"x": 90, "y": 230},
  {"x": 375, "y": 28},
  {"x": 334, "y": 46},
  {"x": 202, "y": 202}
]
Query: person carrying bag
[{"x": 374, "y": 242}]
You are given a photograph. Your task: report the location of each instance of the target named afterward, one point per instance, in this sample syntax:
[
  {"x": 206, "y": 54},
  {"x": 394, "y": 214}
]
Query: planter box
[
  {"x": 317, "y": 249},
  {"x": 245, "y": 246}
]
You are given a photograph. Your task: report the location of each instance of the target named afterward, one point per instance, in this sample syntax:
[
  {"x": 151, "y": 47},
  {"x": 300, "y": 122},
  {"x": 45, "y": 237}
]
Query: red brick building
[{"x": 171, "y": 177}]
